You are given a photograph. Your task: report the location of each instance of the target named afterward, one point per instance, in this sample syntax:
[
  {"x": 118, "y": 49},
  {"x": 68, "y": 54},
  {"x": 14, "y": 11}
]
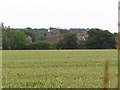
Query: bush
[
  {"x": 82, "y": 45},
  {"x": 70, "y": 41},
  {"x": 42, "y": 45}
]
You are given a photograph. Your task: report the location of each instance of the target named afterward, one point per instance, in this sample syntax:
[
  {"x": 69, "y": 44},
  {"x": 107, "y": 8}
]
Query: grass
[{"x": 58, "y": 68}]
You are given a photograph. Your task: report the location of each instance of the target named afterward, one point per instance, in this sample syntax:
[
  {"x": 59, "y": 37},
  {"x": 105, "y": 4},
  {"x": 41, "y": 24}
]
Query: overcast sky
[{"x": 101, "y": 14}]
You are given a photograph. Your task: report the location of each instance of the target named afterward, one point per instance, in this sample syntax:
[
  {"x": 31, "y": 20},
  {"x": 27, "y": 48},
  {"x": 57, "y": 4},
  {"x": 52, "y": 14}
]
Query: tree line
[{"x": 13, "y": 39}]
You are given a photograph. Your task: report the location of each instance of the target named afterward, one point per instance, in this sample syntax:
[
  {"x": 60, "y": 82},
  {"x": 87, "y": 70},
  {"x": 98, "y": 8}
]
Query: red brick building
[
  {"x": 58, "y": 36},
  {"x": 83, "y": 37},
  {"x": 54, "y": 38}
]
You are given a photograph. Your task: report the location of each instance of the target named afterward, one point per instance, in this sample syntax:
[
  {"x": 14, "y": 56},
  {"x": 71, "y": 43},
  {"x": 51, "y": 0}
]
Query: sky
[{"x": 101, "y": 14}]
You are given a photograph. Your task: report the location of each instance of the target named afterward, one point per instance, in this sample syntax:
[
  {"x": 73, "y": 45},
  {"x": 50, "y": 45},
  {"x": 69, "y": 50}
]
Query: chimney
[{"x": 48, "y": 34}]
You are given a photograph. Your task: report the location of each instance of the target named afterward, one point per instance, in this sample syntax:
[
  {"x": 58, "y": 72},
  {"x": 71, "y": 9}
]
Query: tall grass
[
  {"x": 106, "y": 75},
  {"x": 58, "y": 68}
]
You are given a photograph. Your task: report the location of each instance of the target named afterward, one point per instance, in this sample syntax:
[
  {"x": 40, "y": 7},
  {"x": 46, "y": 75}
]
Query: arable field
[{"x": 58, "y": 68}]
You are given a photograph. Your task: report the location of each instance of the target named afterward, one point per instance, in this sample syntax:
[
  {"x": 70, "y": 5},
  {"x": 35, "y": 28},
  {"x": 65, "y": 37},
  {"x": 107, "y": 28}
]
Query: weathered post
[
  {"x": 118, "y": 45},
  {"x": 106, "y": 75}
]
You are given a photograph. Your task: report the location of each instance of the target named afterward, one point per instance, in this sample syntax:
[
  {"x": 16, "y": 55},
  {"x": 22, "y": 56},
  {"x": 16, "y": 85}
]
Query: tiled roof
[{"x": 56, "y": 38}]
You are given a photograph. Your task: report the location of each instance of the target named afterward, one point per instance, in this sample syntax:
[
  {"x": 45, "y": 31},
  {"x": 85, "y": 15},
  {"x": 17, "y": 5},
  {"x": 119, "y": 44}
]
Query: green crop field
[{"x": 58, "y": 68}]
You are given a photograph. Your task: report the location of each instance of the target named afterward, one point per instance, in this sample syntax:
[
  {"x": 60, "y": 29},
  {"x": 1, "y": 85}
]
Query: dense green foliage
[
  {"x": 42, "y": 45},
  {"x": 14, "y": 39},
  {"x": 82, "y": 45},
  {"x": 69, "y": 42},
  {"x": 17, "y": 39},
  {"x": 36, "y": 34},
  {"x": 58, "y": 68},
  {"x": 99, "y": 39},
  {"x": 78, "y": 30}
]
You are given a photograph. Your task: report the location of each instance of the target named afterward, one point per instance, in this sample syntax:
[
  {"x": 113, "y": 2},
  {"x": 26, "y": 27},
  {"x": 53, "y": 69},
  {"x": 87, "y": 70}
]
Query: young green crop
[{"x": 58, "y": 68}]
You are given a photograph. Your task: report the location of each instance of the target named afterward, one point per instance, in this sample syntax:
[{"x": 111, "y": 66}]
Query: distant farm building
[
  {"x": 82, "y": 37},
  {"x": 55, "y": 38}
]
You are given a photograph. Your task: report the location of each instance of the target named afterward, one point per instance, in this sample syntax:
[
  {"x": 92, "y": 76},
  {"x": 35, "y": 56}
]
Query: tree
[
  {"x": 42, "y": 45},
  {"x": 82, "y": 45},
  {"x": 18, "y": 40},
  {"x": 100, "y": 39},
  {"x": 14, "y": 39},
  {"x": 63, "y": 31},
  {"x": 70, "y": 41},
  {"x": 5, "y": 37},
  {"x": 41, "y": 37},
  {"x": 31, "y": 34}
]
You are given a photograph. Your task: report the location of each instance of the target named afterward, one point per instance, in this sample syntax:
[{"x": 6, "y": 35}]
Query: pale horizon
[{"x": 102, "y": 14}]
